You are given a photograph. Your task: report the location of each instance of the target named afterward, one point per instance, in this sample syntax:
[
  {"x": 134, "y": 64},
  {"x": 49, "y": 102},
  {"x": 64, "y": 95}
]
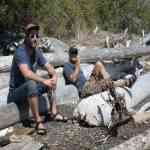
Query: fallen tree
[
  {"x": 87, "y": 55},
  {"x": 94, "y": 54},
  {"x": 139, "y": 142}
]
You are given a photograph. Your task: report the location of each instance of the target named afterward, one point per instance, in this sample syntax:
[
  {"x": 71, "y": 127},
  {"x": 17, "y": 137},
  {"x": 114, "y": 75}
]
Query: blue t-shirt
[
  {"x": 79, "y": 83},
  {"x": 21, "y": 56}
]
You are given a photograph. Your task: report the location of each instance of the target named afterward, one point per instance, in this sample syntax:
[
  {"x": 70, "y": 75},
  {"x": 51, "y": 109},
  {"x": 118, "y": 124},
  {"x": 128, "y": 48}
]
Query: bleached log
[
  {"x": 139, "y": 142},
  {"x": 94, "y": 54},
  {"x": 9, "y": 115},
  {"x": 87, "y": 55},
  {"x": 26, "y": 143}
]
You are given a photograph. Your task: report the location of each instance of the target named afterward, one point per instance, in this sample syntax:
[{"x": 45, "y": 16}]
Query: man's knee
[
  {"x": 31, "y": 85},
  {"x": 100, "y": 68},
  {"x": 32, "y": 88},
  {"x": 99, "y": 65}
]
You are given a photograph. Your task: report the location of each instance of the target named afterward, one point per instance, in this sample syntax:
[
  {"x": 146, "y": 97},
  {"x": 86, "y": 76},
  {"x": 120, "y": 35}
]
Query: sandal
[
  {"x": 56, "y": 117},
  {"x": 40, "y": 131}
]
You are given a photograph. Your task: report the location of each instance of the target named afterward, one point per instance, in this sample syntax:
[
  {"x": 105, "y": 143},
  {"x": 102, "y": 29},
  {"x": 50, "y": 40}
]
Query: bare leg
[
  {"x": 53, "y": 104},
  {"x": 100, "y": 72},
  {"x": 52, "y": 101},
  {"x": 96, "y": 82},
  {"x": 53, "y": 111},
  {"x": 120, "y": 83},
  {"x": 33, "y": 101},
  {"x": 100, "y": 80}
]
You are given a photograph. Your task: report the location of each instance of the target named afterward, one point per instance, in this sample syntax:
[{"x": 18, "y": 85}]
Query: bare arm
[
  {"x": 74, "y": 75},
  {"x": 29, "y": 74},
  {"x": 51, "y": 71}
]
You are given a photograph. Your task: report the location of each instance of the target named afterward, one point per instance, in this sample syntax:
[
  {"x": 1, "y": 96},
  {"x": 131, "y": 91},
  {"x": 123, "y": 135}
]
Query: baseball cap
[
  {"x": 73, "y": 51},
  {"x": 31, "y": 26}
]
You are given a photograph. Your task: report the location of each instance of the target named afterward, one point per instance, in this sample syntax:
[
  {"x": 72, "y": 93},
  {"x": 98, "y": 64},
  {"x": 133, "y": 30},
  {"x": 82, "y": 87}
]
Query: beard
[
  {"x": 34, "y": 44},
  {"x": 72, "y": 61},
  {"x": 31, "y": 44}
]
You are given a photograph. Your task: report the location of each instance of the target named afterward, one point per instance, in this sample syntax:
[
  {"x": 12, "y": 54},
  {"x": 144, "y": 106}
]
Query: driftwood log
[
  {"x": 25, "y": 143},
  {"x": 87, "y": 55},
  {"x": 137, "y": 118},
  {"x": 94, "y": 54},
  {"x": 9, "y": 115},
  {"x": 139, "y": 142}
]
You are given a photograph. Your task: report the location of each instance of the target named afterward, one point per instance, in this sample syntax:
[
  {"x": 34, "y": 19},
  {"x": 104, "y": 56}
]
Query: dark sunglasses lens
[
  {"x": 37, "y": 35},
  {"x": 34, "y": 35}
]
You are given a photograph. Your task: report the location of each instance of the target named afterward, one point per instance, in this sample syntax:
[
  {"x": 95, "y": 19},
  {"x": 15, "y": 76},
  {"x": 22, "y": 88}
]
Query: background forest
[{"x": 64, "y": 18}]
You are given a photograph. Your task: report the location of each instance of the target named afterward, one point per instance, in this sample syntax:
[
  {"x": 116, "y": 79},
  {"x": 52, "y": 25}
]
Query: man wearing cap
[
  {"x": 98, "y": 81},
  {"x": 26, "y": 84}
]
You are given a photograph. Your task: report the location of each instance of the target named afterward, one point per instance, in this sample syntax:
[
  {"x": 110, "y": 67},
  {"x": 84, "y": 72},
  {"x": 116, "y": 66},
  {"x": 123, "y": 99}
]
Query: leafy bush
[{"x": 62, "y": 18}]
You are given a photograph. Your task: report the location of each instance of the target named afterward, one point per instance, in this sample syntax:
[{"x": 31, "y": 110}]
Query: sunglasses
[{"x": 34, "y": 35}]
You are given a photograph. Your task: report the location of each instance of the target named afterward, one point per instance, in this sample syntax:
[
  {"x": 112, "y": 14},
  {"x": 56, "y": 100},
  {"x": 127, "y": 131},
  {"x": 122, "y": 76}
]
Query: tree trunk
[{"x": 87, "y": 55}]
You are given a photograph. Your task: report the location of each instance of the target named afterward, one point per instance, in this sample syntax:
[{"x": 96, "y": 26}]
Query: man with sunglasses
[{"x": 25, "y": 84}]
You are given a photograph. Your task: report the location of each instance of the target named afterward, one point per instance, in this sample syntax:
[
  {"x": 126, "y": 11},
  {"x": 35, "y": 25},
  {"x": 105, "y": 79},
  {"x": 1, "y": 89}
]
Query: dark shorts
[{"x": 26, "y": 90}]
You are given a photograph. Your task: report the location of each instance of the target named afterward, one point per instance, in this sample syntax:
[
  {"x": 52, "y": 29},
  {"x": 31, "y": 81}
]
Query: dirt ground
[{"x": 69, "y": 136}]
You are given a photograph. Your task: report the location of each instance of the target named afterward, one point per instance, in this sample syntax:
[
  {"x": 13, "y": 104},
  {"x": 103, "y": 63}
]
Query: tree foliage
[{"x": 68, "y": 17}]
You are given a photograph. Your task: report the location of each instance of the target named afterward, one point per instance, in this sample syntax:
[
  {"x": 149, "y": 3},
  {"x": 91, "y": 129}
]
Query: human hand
[
  {"x": 50, "y": 83},
  {"x": 54, "y": 79},
  {"x": 78, "y": 61}
]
